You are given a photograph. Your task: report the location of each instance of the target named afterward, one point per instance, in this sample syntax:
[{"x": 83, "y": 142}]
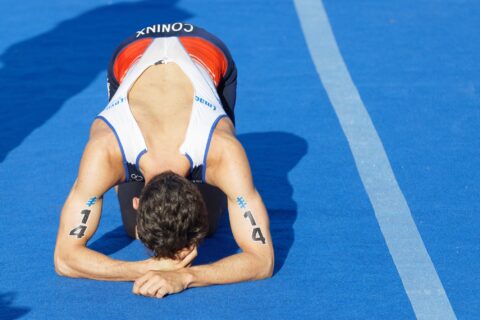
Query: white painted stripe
[{"x": 416, "y": 270}]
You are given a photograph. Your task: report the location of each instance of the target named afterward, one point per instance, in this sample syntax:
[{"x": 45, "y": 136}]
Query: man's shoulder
[
  {"x": 103, "y": 143},
  {"x": 225, "y": 157},
  {"x": 228, "y": 164},
  {"x": 102, "y": 154},
  {"x": 224, "y": 143},
  {"x": 100, "y": 132}
]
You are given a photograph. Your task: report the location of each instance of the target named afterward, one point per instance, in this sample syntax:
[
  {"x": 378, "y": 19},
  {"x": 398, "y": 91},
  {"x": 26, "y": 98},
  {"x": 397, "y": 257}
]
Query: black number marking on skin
[
  {"x": 257, "y": 235},
  {"x": 85, "y": 213},
  {"x": 78, "y": 231},
  {"x": 248, "y": 214}
]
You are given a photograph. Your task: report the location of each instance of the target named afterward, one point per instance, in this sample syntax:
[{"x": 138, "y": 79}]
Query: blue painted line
[{"x": 417, "y": 272}]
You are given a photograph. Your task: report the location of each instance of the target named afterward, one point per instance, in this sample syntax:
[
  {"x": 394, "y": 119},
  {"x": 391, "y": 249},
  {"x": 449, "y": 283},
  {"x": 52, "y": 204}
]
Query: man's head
[{"x": 171, "y": 215}]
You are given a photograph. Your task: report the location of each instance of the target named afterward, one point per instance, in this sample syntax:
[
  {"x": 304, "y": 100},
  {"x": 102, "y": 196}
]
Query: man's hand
[
  {"x": 185, "y": 258},
  {"x": 157, "y": 284}
]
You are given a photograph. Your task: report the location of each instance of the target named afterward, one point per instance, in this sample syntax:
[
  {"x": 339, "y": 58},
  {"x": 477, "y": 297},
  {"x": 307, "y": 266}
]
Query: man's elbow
[
  {"x": 269, "y": 267},
  {"x": 63, "y": 266},
  {"x": 266, "y": 269}
]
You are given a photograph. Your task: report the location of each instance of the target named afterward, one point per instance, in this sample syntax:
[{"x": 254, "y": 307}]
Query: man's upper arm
[
  {"x": 248, "y": 215},
  {"x": 82, "y": 209}
]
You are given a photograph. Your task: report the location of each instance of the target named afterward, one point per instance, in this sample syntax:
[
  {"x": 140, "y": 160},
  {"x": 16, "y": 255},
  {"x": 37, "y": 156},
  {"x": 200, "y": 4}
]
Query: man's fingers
[
  {"x": 149, "y": 284},
  {"x": 189, "y": 258},
  {"x": 153, "y": 285},
  {"x": 151, "y": 288},
  {"x": 141, "y": 281},
  {"x": 159, "y": 284},
  {"x": 182, "y": 254},
  {"x": 162, "y": 292}
]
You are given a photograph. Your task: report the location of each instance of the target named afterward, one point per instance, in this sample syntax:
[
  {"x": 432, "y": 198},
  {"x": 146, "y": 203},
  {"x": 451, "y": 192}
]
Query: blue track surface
[{"x": 416, "y": 66}]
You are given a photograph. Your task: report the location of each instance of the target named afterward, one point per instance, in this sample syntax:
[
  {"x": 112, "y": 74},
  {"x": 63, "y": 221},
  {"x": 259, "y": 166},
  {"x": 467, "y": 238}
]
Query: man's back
[{"x": 161, "y": 103}]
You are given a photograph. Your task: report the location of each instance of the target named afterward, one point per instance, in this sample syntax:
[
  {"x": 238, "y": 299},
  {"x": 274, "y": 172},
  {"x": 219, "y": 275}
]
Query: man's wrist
[
  {"x": 188, "y": 276},
  {"x": 138, "y": 268},
  {"x": 150, "y": 264}
]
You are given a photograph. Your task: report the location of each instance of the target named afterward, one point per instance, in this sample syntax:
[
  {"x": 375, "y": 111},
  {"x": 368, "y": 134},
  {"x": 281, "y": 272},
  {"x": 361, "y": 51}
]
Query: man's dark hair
[{"x": 171, "y": 215}]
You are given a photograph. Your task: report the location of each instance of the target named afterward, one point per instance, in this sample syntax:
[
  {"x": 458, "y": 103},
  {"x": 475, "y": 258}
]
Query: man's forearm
[
  {"x": 236, "y": 268},
  {"x": 86, "y": 263}
]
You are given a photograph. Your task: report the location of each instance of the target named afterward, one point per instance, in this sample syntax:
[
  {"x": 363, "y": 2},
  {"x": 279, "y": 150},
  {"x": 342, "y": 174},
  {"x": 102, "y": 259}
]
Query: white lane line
[{"x": 416, "y": 270}]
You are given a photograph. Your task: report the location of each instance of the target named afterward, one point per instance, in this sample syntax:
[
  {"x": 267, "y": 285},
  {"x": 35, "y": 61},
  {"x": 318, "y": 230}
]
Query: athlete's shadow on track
[
  {"x": 7, "y": 310},
  {"x": 41, "y": 73},
  {"x": 272, "y": 155},
  {"x": 112, "y": 241}
]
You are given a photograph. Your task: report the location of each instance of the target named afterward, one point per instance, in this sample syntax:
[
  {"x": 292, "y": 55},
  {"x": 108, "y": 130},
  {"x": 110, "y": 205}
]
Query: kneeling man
[{"x": 166, "y": 141}]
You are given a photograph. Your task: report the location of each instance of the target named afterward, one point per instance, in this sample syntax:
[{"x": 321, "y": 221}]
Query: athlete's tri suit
[{"x": 207, "y": 63}]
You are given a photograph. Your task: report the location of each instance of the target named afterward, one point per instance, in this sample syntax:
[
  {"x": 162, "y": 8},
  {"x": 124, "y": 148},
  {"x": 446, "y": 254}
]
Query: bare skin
[
  {"x": 161, "y": 102},
  {"x": 164, "y": 122}
]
